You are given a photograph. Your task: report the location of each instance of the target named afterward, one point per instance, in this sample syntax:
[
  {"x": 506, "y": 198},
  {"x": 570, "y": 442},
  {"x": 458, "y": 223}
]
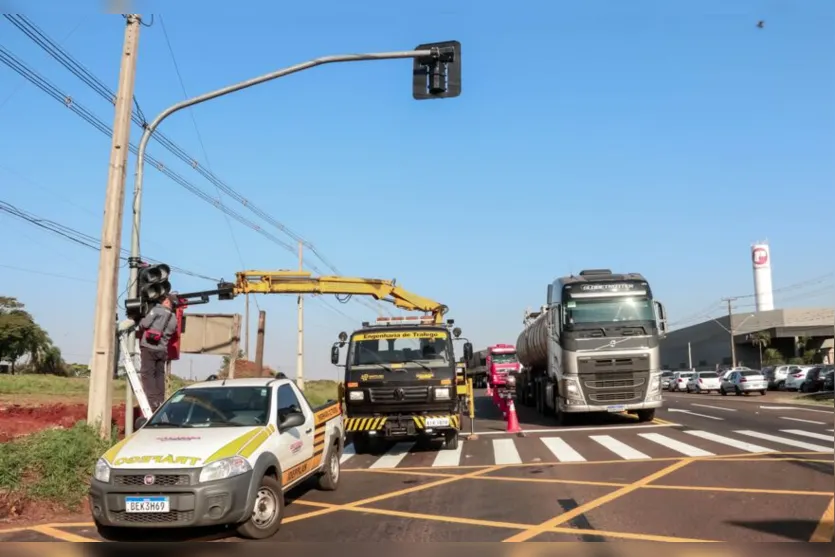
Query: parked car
[
  {"x": 793, "y": 380},
  {"x": 776, "y": 377},
  {"x": 703, "y": 382},
  {"x": 813, "y": 382},
  {"x": 743, "y": 382},
  {"x": 666, "y": 378},
  {"x": 828, "y": 381},
  {"x": 725, "y": 373},
  {"x": 679, "y": 380}
]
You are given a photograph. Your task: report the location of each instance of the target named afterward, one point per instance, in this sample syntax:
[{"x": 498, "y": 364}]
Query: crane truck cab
[
  {"x": 400, "y": 381},
  {"x": 218, "y": 453}
]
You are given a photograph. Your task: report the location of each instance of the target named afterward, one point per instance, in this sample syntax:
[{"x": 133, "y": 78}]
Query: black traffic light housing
[
  {"x": 153, "y": 287},
  {"x": 437, "y": 76}
]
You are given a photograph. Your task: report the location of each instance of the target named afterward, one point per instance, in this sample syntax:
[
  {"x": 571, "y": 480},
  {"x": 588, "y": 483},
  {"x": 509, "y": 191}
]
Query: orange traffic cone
[{"x": 512, "y": 419}]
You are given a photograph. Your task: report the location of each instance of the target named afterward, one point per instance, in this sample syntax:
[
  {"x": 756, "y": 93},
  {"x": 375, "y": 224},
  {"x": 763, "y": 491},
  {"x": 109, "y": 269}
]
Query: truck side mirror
[
  {"x": 468, "y": 351},
  {"x": 291, "y": 420},
  {"x": 662, "y": 319},
  {"x": 140, "y": 421},
  {"x": 334, "y": 354}
]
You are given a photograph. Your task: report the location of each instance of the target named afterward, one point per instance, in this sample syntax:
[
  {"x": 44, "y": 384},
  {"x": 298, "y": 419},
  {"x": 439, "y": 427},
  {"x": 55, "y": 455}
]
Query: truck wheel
[
  {"x": 646, "y": 415},
  {"x": 362, "y": 444},
  {"x": 267, "y": 511},
  {"x": 451, "y": 441},
  {"x": 329, "y": 479}
]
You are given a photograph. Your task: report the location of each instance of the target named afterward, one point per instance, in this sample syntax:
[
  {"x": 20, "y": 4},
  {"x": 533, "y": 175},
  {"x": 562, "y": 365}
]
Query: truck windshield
[
  {"x": 504, "y": 359},
  {"x": 425, "y": 348},
  {"x": 214, "y": 407},
  {"x": 610, "y": 310}
]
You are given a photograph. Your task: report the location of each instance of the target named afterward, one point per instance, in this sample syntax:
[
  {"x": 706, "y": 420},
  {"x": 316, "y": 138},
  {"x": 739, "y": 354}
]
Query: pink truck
[{"x": 503, "y": 367}]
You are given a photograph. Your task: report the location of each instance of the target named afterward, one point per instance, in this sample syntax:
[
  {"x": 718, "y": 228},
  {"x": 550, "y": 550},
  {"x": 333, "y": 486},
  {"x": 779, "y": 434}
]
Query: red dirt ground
[{"x": 17, "y": 420}]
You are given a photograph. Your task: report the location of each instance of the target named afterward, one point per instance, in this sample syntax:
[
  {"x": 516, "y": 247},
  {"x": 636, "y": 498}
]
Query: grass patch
[
  {"x": 320, "y": 391},
  {"x": 824, "y": 399},
  {"x": 37, "y": 388},
  {"x": 52, "y": 466}
]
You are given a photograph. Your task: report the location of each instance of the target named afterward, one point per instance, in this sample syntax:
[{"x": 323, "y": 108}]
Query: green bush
[{"x": 52, "y": 465}]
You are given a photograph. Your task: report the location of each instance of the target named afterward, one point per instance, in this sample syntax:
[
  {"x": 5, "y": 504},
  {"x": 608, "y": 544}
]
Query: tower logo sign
[{"x": 760, "y": 257}]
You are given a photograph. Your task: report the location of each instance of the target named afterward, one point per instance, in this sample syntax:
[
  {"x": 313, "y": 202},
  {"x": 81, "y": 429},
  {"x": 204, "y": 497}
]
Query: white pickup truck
[{"x": 215, "y": 453}]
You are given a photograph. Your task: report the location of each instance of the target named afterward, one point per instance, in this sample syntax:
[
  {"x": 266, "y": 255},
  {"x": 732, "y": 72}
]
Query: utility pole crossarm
[{"x": 296, "y": 282}]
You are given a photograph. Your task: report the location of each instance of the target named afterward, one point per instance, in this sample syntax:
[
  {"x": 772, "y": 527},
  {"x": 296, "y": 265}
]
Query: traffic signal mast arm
[{"x": 300, "y": 282}]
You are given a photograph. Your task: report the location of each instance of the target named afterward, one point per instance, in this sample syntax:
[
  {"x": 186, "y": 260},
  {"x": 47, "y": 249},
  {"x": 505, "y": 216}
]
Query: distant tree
[
  {"x": 760, "y": 339},
  {"x": 21, "y": 336},
  {"x": 224, "y": 365}
]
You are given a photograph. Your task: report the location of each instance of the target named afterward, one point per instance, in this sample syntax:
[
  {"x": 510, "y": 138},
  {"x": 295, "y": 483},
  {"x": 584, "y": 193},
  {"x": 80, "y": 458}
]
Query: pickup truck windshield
[
  {"x": 425, "y": 348},
  {"x": 504, "y": 358},
  {"x": 611, "y": 310},
  {"x": 214, "y": 407}
]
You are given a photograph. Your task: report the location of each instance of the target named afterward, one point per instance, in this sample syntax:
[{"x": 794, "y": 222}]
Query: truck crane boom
[{"x": 303, "y": 282}]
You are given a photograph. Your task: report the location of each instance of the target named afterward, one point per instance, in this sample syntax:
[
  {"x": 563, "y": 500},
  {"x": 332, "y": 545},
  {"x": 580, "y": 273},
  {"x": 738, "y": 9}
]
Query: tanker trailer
[{"x": 594, "y": 347}]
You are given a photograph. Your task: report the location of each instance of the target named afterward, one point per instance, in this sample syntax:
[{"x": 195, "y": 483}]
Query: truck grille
[
  {"x": 162, "y": 480},
  {"x": 170, "y": 517},
  {"x": 389, "y": 394},
  {"x": 615, "y": 388}
]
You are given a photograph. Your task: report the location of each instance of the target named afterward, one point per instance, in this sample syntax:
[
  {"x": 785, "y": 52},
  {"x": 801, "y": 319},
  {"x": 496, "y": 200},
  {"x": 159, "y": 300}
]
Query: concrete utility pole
[
  {"x": 689, "y": 357},
  {"x": 259, "y": 343},
  {"x": 731, "y": 329},
  {"x": 100, "y": 401},
  {"x": 300, "y": 345}
]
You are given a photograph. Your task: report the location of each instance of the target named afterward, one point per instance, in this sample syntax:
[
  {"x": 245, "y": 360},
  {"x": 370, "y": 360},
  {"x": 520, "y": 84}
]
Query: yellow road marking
[
  {"x": 389, "y": 495},
  {"x": 600, "y": 501},
  {"x": 627, "y": 535},
  {"x": 659, "y": 421},
  {"x": 738, "y": 490},
  {"x": 507, "y": 525},
  {"x": 826, "y": 526},
  {"x": 61, "y": 535}
]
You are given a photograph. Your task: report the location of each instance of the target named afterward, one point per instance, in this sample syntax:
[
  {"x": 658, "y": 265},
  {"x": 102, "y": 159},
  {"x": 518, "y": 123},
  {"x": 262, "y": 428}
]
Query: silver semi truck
[{"x": 593, "y": 347}]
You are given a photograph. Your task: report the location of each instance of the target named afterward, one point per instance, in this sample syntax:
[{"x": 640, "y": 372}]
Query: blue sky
[{"x": 654, "y": 137}]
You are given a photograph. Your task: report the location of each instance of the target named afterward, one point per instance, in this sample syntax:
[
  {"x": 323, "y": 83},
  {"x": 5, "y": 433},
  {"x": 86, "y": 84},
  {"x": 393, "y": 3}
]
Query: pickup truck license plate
[
  {"x": 437, "y": 422},
  {"x": 147, "y": 504},
  {"x": 616, "y": 408}
]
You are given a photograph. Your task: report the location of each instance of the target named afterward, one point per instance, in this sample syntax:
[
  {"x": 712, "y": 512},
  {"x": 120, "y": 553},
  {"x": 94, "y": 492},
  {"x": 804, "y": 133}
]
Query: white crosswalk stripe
[
  {"x": 393, "y": 457},
  {"x": 574, "y": 448},
  {"x": 786, "y": 441},
  {"x": 675, "y": 445},
  {"x": 621, "y": 449},
  {"x": 562, "y": 450},
  {"x": 730, "y": 442},
  {"x": 347, "y": 453},
  {"x": 447, "y": 458},
  {"x": 811, "y": 434},
  {"x": 504, "y": 452}
]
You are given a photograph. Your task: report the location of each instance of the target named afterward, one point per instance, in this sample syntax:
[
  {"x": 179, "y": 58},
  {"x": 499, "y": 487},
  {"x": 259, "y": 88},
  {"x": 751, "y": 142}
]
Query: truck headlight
[
  {"x": 102, "y": 471},
  {"x": 442, "y": 393},
  {"x": 226, "y": 468},
  {"x": 511, "y": 379},
  {"x": 654, "y": 385},
  {"x": 572, "y": 389},
  {"x": 356, "y": 395}
]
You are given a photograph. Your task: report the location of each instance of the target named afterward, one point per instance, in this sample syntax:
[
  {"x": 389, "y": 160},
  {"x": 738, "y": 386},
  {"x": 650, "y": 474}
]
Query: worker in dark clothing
[{"x": 156, "y": 330}]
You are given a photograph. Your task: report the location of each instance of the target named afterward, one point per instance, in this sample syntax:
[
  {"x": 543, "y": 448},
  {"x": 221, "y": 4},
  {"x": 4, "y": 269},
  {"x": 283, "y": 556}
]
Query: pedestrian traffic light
[
  {"x": 153, "y": 286},
  {"x": 438, "y": 75}
]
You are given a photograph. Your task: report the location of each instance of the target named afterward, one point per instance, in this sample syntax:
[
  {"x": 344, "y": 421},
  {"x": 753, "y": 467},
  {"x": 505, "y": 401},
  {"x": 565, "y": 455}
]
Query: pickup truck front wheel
[
  {"x": 267, "y": 511},
  {"x": 329, "y": 479}
]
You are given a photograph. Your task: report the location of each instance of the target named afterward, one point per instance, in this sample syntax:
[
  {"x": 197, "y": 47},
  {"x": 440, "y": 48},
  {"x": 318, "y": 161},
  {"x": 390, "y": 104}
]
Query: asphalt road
[{"x": 710, "y": 468}]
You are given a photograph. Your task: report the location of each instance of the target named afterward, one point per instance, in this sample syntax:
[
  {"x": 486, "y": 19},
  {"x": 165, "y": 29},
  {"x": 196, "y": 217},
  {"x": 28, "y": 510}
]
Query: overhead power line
[
  {"x": 79, "y": 70},
  {"x": 81, "y": 238}
]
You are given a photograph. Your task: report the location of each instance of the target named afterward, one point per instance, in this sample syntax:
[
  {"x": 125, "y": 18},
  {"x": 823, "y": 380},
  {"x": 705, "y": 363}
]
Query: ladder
[{"x": 133, "y": 376}]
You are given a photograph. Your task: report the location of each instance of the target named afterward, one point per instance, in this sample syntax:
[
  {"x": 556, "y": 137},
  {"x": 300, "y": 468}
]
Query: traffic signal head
[
  {"x": 153, "y": 283},
  {"x": 438, "y": 75},
  {"x": 152, "y": 286}
]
